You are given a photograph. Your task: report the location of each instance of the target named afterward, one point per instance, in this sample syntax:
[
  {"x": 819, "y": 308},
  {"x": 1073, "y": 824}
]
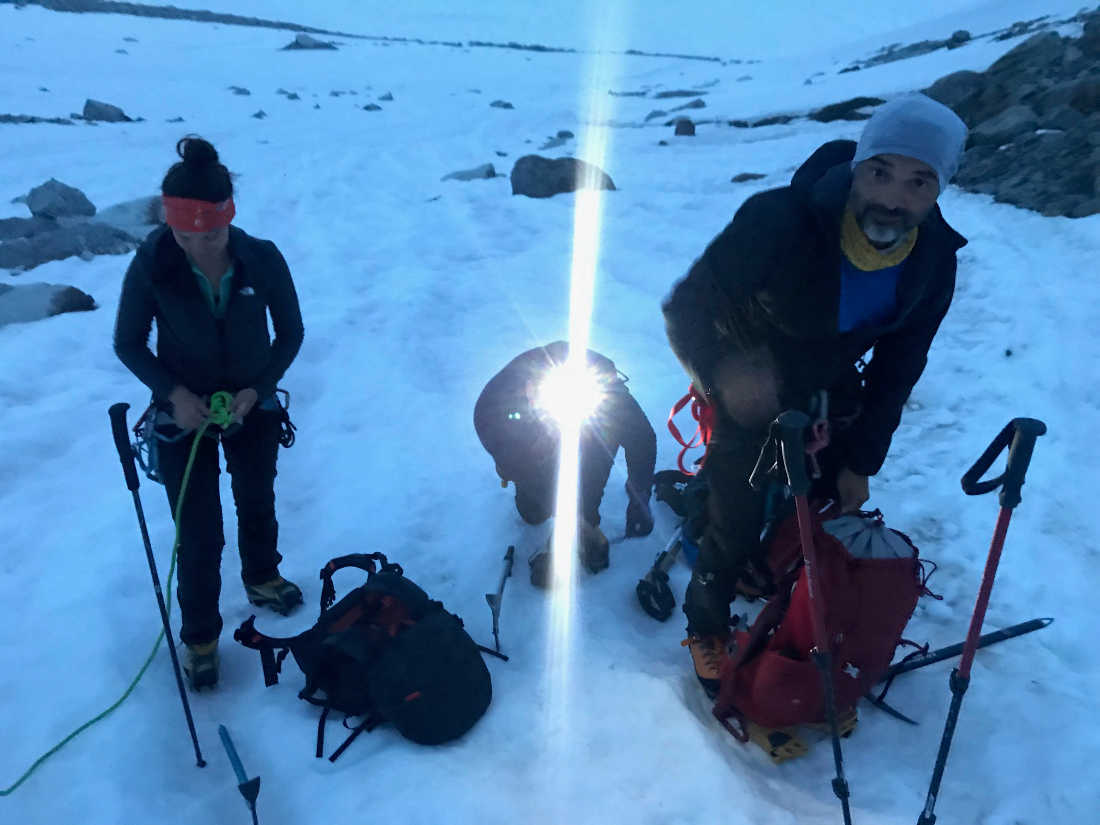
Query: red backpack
[{"x": 870, "y": 579}]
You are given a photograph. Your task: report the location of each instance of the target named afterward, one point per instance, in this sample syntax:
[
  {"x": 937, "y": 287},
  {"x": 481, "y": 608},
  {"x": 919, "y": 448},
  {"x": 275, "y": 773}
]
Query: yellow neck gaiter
[{"x": 863, "y": 255}]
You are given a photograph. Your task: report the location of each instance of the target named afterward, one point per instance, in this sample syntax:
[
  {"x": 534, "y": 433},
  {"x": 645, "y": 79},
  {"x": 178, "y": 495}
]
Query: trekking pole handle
[
  {"x": 117, "y": 414},
  {"x": 790, "y": 429},
  {"x": 1019, "y": 436}
]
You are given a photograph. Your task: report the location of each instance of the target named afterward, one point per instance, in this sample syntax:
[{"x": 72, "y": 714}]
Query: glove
[{"x": 639, "y": 520}]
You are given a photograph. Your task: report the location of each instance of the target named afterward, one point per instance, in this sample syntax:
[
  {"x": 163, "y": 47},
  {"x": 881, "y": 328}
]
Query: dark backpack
[
  {"x": 870, "y": 579},
  {"x": 385, "y": 652}
]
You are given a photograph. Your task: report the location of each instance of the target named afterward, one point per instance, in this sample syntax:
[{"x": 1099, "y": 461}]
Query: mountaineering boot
[
  {"x": 594, "y": 548},
  {"x": 541, "y": 563},
  {"x": 278, "y": 595},
  {"x": 707, "y": 653},
  {"x": 201, "y": 665}
]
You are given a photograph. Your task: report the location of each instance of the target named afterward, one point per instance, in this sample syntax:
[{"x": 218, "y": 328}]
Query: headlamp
[{"x": 569, "y": 393}]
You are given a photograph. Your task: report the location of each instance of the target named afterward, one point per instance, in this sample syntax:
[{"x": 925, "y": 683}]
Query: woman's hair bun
[{"x": 196, "y": 152}]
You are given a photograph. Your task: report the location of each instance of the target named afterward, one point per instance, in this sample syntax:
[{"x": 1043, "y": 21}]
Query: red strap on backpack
[{"x": 703, "y": 413}]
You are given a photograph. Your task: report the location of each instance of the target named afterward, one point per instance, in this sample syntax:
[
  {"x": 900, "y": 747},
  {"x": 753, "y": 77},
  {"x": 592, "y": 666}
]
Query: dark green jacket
[
  {"x": 771, "y": 279},
  {"x": 193, "y": 347}
]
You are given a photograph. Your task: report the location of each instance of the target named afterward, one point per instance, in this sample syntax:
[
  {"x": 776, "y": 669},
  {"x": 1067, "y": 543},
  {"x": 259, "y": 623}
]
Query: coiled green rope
[{"x": 220, "y": 415}]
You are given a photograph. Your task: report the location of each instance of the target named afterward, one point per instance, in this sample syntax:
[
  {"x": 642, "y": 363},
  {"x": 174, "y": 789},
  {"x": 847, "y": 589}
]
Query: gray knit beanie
[{"x": 918, "y": 127}]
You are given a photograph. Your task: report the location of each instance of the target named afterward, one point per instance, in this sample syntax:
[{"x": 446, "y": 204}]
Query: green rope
[{"x": 220, "y": 404}]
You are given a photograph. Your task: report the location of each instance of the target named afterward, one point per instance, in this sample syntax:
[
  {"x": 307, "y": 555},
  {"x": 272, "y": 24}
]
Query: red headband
[{"x": 190, "y": 215}]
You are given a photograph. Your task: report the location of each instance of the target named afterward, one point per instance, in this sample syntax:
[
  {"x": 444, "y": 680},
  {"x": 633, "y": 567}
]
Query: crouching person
[{"x": 516, "y": 418}]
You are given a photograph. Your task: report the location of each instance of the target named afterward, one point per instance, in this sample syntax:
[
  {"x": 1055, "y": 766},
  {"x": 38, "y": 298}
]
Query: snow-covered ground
[{"x": 414, "y": 293}]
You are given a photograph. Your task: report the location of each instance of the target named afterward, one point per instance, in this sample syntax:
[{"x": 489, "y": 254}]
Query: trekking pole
[
  {"x": 786, "y": 450},
  {"x": 494, "y": 599},
  {"x": 117, "y": 414},
  {"x": 1019, "y": 436},
  {"x": 249, "y": 788}
]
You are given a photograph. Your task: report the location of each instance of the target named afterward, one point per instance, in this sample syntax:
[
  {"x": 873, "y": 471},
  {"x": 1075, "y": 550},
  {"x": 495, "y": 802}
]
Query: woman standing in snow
[{"x": 210, "y": 286}]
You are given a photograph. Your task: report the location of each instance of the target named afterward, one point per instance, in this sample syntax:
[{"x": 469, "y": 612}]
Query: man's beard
[{"x": 884, "y": 227}]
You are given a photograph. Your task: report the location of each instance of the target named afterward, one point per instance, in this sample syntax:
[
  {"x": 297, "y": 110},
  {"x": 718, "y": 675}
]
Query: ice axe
[
  {"x": 784, "y": 457},
  {"x": 494, "y": 599},
  {"x": 653, "y": 591},
  {"x": 250, "y": 788}
]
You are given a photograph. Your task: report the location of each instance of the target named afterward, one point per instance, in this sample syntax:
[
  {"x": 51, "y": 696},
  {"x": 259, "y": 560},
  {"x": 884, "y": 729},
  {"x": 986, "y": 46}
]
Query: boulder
[
  {"x": 677, "y": 93},
  {"x": 698, "y": 103},
  {"x": 954, "y": 89},
  {"x": 137, "y": 217},
  {"x": 12, "y": 228},
  {"x": 774, "y": 120},
  {"x": 539, "y": 177},
  {"x": 1036, "y": 55},
  {"x": 1003, "y": 128},
  {"x": 846, "y": 110},
  {"x": 1086, "y": 96},
  {"x": 305, "y": 41},
  {"x": 959, "y": 38},
  {"x": 1089, "y": 43},
  {"x": 482, "y": 172},
  {"x": 24, "y": 303},
  {"x": 685, "y": 128},
  {"x": 1062, "y": 118},
  {"x": 54, "y": 199},
  {"x": 97, "y": 110},
  {"x": 80, "y": 239}
]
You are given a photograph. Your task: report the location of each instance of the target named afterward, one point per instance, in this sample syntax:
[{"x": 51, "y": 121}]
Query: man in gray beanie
[{"x": 806, "y": 279}]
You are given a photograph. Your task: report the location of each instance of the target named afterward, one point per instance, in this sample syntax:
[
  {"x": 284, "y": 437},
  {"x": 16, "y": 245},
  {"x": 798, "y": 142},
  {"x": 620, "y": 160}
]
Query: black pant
[
  {"x": 536, "y": 492},
  {"x": 250, "y": 454},
  {"x": 735, "y": 519}
]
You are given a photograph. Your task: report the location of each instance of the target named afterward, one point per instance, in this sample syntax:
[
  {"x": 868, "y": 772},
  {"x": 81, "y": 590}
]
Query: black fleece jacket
[
  {"x": 194, "y": 348},
  {"x": 771, "y": 280},
  {"x": 521, "y": 440}
]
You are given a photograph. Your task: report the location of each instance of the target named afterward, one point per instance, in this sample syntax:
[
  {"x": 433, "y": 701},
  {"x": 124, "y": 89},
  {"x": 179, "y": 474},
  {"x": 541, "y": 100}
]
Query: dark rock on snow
[
  {"x": 482, "y": 172},
  {"x": 33, "y": 302},
  {"x": 54, "y": 199},
  {"x": 305, "y": 41},
  {"x": 539, "y": 177},
  {"x": 97, "y": 110},
  {"x": 845, "y": 110},
  {"x": 1034, "y": 117}
]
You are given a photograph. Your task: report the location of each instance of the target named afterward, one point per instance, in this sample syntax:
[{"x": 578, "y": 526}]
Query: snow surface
[{"x": 414, "y": 292}]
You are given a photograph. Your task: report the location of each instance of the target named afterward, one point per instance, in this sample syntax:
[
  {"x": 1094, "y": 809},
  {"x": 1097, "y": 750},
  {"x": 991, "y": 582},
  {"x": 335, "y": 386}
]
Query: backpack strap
[
  {"x": 368, "y": 724},
  {"x": 250, "y": 637},
  {"x": 370, "y": 562},
  {"x": 321, "y": 732}
]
